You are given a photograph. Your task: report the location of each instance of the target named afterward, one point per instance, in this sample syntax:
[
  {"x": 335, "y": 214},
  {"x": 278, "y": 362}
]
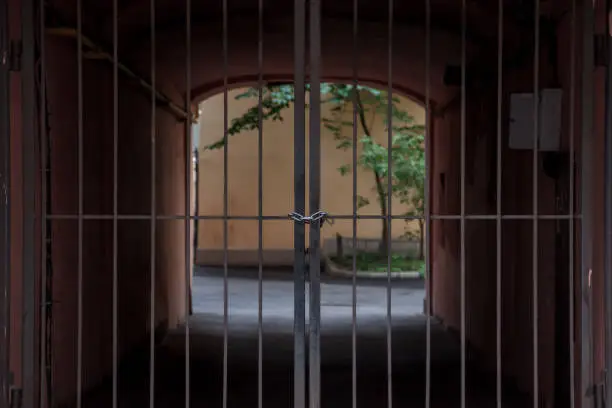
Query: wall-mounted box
[{"x": 521, "y": 120}]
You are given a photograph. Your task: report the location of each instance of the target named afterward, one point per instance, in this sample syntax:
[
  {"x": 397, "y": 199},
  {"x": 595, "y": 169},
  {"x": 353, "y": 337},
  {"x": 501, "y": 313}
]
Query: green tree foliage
[{"x": 407, "y": 154}]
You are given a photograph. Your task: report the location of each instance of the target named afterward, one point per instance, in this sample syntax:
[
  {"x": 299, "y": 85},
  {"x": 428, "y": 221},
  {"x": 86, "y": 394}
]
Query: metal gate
[{"x": 469, "y": 192}]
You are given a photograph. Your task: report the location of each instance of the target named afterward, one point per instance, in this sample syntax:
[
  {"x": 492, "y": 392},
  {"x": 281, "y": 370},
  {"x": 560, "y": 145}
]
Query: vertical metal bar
[
  {"x": 260, "y": 204},
  {"x": 354, "y": 169},
  {"x": 427, "y": 203},
  {"x": 463, "y": 195},
  {"x": 299, "y": 174},
  {"x": 79, "y": 394},
  {"x": 498, "y": 286},
  {"x": 188, "y": 170},
  {"x": 389, "y": 200},
  {"x": 608, "y": 215},
  {"x": 535, "y": 169},
  {"x": 314, "y": 368},
  {"x": 4, "y": 206},
  {"x": 153, "y": 220},
  {"x": 572, "y": 209},
  {"x": 28, "y": 80},
  {"x": 44, "y": 301},
  {"x": 587, "y": 400},
  {"x": 225, "y": 205},
  {"x": 115, "y": 202}
]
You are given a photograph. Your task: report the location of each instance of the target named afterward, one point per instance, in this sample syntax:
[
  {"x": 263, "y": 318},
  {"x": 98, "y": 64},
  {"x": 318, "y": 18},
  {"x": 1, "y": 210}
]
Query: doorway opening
[
  {"x": 349, "y": 183},
  {"x": 355, "y": 257}
]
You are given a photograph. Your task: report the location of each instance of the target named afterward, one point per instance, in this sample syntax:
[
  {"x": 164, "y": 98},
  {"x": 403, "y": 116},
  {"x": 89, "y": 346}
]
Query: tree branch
[{"x": 362, "y": 118}]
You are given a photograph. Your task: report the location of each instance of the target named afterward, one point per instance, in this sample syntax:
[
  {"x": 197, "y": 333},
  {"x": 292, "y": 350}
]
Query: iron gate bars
[
  {"x": 314, "y": 366},
  {"x": 260, "y": 187},
  {"x": 498, "y": 190},
  {"x": 586, "y": 205},
  {"x": 299, "y": 185},
  {"x": 312, "y": 393},
  {"x": 188, "y": 172},
  {"x": 30, "y": 146},
  {"x": 389, "y": 199},
  {"x": 153, "y": 221},
  {"x": 355, "y": 81},
  {"x": 46, "y": 268},
  {"x": 607, "y": 394},
  {"x": 535, "y": 196}
]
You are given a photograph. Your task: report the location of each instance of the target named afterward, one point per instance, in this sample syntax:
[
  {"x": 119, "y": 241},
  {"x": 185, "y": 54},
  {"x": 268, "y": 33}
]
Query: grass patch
[{"x": 373, "y": 262}]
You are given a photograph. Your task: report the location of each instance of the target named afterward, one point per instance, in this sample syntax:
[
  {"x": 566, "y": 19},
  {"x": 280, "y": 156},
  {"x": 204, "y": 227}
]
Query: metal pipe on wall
[{"x": 101, "y": 53}]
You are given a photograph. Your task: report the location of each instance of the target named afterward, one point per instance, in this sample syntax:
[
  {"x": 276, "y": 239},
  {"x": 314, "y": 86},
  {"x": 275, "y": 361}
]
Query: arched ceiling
[
  {"x": 207, "y": 68},
  {"x": 337, "y": 60},
  {"x": 134, "y": 15}
]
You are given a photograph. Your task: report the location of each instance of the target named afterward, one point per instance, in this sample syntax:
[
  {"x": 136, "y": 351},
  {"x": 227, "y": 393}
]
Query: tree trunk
[
  {"x": 382, "y": 197},
  {"x": 340, "y": 246},
  {"x": 421, "y": 240}
]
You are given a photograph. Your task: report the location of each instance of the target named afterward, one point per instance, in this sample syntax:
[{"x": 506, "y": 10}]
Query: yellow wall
[{"x": 278, "y": 188}]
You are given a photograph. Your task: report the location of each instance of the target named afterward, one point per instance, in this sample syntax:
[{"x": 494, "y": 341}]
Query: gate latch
[{"x": 319, "y": 216}]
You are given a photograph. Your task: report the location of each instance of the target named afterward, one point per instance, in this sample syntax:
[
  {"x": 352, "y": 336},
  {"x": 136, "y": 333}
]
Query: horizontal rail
[{"x": 476, "y": 217}]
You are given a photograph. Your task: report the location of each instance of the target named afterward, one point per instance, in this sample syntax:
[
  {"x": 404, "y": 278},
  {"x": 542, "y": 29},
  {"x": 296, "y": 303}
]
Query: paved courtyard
[{"x": 278, "y": 299}]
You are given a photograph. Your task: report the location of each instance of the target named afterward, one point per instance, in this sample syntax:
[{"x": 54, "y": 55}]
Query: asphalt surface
[{"x": 277, "y": 300}]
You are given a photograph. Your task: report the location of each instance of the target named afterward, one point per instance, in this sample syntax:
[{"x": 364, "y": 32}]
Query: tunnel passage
[{"x": 208, "y": 74}]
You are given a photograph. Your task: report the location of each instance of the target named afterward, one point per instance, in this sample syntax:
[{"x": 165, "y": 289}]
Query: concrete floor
[{"x": 408, "y": 340}]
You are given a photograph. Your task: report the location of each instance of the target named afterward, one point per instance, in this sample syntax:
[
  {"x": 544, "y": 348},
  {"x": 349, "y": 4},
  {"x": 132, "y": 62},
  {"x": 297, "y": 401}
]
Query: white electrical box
[{"x": 521, "y": 120}]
